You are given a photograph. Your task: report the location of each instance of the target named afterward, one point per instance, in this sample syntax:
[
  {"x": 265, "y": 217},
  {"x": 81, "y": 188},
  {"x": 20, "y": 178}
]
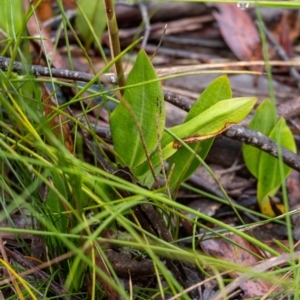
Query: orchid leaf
[
  {"x": 263, "y": 121},
  {"x": 207, "y": 124},
  {"x": 183, "y": 161},
  {"x": 12, "y": 17},
  {"x": 214, "y": 120},
  {"x": 138, "y": 121},
  {"x": 262, "y": 165},
  {"x": 269, "y": 175},
  {"x": 90, "y": 19}
]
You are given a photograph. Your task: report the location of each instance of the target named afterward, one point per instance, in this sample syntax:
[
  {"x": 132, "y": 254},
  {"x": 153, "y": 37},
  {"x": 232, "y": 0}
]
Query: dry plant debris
[{"x": 198, "y": 38}]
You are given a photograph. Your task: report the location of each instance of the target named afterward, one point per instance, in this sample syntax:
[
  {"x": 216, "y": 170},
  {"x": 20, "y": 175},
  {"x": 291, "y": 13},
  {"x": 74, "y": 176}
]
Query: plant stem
[{"x": 114, "y": 41}]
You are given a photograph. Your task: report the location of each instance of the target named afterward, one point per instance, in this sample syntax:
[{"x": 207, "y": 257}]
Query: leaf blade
[
  {"x": 142, "y": 114},
  {"x": 263, "y": 121},
  {"x": 226, "y": 112},
  {"x": 223, "y": 113},
  {"x": 183, "y": 160},
  {"x": 269, "y": 177},
  {"x": 90, "y": 19}
]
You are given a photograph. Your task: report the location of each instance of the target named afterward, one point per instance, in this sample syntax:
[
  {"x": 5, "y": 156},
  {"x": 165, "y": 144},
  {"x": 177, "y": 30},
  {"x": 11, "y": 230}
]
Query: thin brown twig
[
  {"x": 235, "y": 132},
  {"x": 109, "y": 78},
  {"x": 160, "y": 42},
  {"x": 38, "y": 70},
  {"x": 260, "y": 268},
  {"x": 260, "y": 141}
]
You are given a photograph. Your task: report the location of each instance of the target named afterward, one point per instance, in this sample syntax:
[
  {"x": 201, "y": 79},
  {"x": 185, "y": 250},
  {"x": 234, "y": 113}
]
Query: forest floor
[{"x": 192, "y": 45}]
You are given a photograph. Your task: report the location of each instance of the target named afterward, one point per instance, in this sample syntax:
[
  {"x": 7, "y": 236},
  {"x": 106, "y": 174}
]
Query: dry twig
[{"x": 235, "y": 132}]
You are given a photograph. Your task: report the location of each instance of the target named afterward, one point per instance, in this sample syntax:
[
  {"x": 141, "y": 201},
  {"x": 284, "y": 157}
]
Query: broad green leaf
[
  {"x": 209, "y": 123},
  {"x": 263, "y": 121},
  {"x": 12, "y": 16},
  {"x": 262, "y": 165},
  {"x": 214, "y": 120},
  {"x": 269, "y": 177},
  {"x": 219, "y": 89},
  {"x": 184, "y": 162},
  {"x": 90, "y": 18},
  {"x": 138, "y": 120}
]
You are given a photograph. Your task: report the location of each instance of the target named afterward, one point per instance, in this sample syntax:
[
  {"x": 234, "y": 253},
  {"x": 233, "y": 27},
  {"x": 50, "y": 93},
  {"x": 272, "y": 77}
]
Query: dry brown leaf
[
  {"x": 239, "y": 32},
  {"x": 69, "y": 4},
  {"x": 40, "y": 33},
  {"x": 227, "y": 251},
  {"x": 44, "y": 9},
  {"x": 287, "y": 29}
]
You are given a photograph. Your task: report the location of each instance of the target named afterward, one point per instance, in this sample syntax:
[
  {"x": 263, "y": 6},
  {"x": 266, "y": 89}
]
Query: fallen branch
[
  {"x": 260, "y": 141},
  {"x": 235, "y": 132},
  {"x": 38, "y": 70},
  {"x": 244, "y": 135}
]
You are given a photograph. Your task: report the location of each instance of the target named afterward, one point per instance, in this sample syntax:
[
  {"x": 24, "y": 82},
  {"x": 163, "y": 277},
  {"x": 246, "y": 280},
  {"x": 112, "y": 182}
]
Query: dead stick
[{"x": 236, "y": 132}]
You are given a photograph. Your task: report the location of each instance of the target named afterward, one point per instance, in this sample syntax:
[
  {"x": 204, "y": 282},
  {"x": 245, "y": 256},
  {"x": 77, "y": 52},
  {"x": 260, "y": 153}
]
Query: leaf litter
[{"x": 193, "y": 38}]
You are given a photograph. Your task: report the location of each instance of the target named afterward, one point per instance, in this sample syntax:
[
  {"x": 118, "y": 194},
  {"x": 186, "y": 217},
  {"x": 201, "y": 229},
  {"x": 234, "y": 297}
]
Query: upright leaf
[
  {"x": 183, "y": 162},
  {"x": 269, "y": 176},
  {"x": 138, "y": 121},
  {"x": 90, "y": 19},
  {"x": 263, "y": 166},
  {"x": 263, "y": 121},
  {"x": 12, "y": 16}
]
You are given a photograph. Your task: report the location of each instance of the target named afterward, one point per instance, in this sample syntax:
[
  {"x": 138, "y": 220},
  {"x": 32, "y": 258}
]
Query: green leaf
[
  {"x": 269, "y": 177},
  {"x": 12, "y": 16},
  {"x": 263, "y": 166},
  {"x": 90, "y": 19},
  {"x": 263, "y": 121},
  {"x": 214, "y": 120},
  {"x": 211, "y": 122},
  {"x": 184, "y": 162},
  {"x": 137, "y": 123}
]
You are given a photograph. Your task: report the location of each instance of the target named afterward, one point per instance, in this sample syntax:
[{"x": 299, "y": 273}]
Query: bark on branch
[
  {"x": 235, "y": 132},
  {"x": 37, "y": 70}
]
